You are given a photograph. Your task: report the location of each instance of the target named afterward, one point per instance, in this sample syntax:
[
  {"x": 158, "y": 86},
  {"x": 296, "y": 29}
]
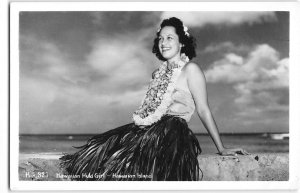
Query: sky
[{"x": 87, "y": 72}]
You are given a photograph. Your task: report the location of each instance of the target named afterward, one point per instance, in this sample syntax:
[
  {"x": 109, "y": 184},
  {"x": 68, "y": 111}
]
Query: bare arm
[{"x": 197, "y": 85}]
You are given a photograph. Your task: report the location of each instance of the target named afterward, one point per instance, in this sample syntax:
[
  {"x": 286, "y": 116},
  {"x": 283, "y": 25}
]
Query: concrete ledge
[{"x": 255, "y": 167}]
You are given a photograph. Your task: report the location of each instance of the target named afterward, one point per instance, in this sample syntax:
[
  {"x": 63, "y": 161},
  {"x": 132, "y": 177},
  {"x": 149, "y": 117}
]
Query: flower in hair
[{"x": 185, "y": 29}]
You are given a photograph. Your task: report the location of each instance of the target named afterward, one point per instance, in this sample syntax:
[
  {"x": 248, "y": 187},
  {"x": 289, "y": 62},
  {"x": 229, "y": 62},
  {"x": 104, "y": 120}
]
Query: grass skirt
[{"x": 166, "y": 150}]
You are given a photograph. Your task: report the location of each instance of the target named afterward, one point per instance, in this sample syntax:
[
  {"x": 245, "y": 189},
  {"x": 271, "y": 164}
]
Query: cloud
[
  {"x": 225, "y": 47},
  {"x": 58, "y": 94},
  {"x": 200, "y": 19},
  {"x": 260, "y": 79},
  {"x": 262, "y": 63},
  {"x": 118, "y": 59},
  {"x": 117, "y": 22},
  {"x": 45, "y": 60},
  {"x": 92, "y": 71},
  {"x": 124, "y": 61},
  {"x": 87, "y": 72}
]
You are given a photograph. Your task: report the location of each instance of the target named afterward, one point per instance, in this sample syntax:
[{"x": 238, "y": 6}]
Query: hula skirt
[{"x": 164, "y": 151}]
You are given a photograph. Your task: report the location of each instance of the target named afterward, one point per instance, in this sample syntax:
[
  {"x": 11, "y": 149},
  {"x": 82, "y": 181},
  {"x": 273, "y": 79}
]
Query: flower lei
[{"x": 158, "y": 97}]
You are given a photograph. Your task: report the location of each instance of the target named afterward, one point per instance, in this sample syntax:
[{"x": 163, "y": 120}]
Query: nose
[{"x": 163, "y": 42}]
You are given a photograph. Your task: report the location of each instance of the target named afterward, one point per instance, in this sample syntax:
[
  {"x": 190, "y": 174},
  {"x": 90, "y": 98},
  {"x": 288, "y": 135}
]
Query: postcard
[{"x": 153, "y": 95}]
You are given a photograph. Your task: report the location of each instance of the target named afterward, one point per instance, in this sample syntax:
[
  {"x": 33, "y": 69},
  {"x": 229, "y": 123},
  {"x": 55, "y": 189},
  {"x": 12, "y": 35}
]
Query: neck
[{"x": 174, "y": 60}]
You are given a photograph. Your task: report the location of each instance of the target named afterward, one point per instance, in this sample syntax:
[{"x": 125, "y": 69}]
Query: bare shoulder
[
  {"x": 192, "y": 69},
  {"x": 195, "y": 78}
]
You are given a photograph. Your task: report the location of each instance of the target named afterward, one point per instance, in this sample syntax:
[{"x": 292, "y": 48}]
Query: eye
[{"x": 170, "y": 37}]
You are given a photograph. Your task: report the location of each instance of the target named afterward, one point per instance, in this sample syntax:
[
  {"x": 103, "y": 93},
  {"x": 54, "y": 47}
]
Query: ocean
[{"x": 253, "y": 143}]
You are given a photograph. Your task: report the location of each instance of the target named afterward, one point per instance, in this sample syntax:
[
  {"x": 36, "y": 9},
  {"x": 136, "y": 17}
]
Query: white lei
[{"x": 158, "y": 97}]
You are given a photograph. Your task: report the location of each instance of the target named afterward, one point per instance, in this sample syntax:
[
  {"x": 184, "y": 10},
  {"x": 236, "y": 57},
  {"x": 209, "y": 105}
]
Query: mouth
[{"x": 164, "y": 49}]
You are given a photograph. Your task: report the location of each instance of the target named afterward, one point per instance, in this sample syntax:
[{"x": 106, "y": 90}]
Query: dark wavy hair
[{"x": 188, "y": 41}]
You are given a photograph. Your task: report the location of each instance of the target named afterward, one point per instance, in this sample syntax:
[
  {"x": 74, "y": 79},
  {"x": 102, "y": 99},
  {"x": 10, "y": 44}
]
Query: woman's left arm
[{"x": 197, "y": 85}]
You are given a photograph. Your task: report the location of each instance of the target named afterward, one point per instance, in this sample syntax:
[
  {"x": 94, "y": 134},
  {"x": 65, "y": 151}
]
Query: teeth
[{"x": 164, "y": 49}]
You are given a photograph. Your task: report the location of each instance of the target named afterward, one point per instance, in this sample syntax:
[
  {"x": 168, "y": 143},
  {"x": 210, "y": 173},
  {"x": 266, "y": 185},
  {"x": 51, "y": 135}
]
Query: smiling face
[{"x": 169, "y": 45}]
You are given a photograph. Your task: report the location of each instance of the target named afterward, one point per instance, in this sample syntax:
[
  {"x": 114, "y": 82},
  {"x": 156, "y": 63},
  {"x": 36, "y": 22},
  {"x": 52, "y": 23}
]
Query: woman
[{"x": 158, "y": 145}]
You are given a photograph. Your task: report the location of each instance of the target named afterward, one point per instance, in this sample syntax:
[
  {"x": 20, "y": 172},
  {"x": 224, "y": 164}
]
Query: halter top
[{"x": 182, "y": 104}]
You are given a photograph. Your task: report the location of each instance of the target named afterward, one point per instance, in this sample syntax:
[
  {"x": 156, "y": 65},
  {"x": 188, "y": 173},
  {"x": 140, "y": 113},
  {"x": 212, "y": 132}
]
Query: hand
[{"x": 233, "y": 152}]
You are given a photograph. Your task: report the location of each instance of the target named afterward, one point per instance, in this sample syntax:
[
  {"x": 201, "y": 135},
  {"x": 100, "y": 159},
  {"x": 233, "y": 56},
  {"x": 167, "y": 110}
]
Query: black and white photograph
[{"x": 124, "y": 93}]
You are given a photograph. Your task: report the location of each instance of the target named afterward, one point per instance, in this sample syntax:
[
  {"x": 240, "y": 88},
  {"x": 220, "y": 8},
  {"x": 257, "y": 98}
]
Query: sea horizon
[{"x": 252, "y": 142}]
